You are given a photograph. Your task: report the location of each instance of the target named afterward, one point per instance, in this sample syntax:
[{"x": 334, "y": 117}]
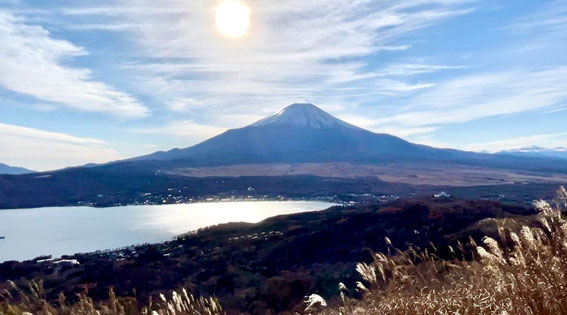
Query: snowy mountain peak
[{"x": 304, "y": 115}]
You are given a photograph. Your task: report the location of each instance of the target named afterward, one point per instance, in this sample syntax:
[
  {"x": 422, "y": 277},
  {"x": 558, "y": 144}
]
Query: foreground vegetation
[
  {"x": 454, "y": 256},
  {"x": 32, "y": 301},
  {"x": 524, "y": 271}
]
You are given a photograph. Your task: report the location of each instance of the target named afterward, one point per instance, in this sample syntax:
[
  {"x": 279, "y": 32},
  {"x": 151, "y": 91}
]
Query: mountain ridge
[
  {"x": 537, "y": 151},
  {"x": 13, "y": 170}
]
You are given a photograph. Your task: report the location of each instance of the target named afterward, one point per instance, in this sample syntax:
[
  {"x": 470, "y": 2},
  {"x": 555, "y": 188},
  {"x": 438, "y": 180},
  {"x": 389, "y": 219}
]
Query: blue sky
[{"x": 93, "y": 81}]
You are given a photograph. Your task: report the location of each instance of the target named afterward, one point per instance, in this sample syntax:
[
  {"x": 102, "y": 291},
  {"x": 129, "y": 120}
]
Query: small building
[{"x": 442, "y": 195}]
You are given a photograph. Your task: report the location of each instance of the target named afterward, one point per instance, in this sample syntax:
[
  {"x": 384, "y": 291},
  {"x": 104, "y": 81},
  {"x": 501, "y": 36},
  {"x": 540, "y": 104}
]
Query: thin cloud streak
[
  {"x": 186, "y": 128},
  {"x": 485, "y": 95},
  {"x": 549, "y": 141},
  {"x": 20, "y": 146},
  {"x": 33, "y": 63},
  {"x": 552, "y": 18}
]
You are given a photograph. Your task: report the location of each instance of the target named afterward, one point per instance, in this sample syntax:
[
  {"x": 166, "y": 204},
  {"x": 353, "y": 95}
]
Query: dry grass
[
  {"x": 31, "y": 300},
  {"x": 524, "y": 272}
]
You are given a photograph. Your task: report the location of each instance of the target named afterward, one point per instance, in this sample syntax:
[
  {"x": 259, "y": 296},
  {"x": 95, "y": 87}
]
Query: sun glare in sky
[{"x": 232, "y": 18}]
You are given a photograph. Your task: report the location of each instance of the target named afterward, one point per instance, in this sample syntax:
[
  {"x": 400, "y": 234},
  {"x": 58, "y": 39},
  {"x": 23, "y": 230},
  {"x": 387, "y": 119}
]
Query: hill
[{"x": 6, "y": 169}]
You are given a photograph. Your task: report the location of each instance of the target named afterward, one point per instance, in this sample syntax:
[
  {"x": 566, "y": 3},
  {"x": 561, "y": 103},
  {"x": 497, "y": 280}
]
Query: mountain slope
[
  {"x": 12, "y": 170},
  {"x": 299, "y": 133},
  {"x": 303, "y": 133}
]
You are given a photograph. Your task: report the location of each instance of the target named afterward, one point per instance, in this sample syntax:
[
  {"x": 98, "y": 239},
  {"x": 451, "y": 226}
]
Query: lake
[{"x": 67, "y": 230}]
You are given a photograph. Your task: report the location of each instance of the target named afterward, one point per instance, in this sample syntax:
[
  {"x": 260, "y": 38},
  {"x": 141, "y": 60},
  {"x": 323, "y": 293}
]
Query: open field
[{"x": 430, "y": 174}]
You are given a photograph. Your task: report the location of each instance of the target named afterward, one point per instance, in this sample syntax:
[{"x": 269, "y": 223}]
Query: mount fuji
[
  {"x": 298, "y": 133},
  {"x": 304, "y": 133}
]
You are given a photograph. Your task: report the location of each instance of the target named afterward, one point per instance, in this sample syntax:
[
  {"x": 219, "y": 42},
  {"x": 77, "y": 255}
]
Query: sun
[{"x": 232, "y": 18}]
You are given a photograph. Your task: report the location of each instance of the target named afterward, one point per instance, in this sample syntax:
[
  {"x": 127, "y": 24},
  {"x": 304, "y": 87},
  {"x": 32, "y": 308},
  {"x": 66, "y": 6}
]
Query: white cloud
[
  {"x": 404, "y": 132},
  {"x": 397, "y": 88},
  {"x": 478, "y": 96},
  {"x": 550, "y": 141},
  {"x": 552, "y": 18},
  {"x": 429, "y": 140},
  {"x": 21, "y": 146},
  {"x": 373, "y": 124},
  {"x": 184, "y": 128},
  {"x": 295, "y": 50},
  {"x": 409, "y": 69},
  {"x": 33, "y": 63},
  {"x": 181, "y": 104},
  {"x": 360, "y": 121}
]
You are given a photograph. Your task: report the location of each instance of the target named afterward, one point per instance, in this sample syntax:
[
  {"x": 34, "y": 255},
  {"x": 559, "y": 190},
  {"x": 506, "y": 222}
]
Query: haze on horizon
[{"x": 94, "y": 81}]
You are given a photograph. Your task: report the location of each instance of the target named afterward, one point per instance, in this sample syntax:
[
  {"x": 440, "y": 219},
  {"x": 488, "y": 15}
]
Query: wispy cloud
[
  {"x": 21, "y": 146},
  {"x": 551, "y": 141},
  {"x": 552, "y": 18},
  {"x": 294, "y": 51},
  {"x": 374, "y": 125},
  {"x": 485, "y": 95},
  {"x": 185, "y": 128},
  {"x": 34, "y": 63},
  {"x": 409, "y": 69}
]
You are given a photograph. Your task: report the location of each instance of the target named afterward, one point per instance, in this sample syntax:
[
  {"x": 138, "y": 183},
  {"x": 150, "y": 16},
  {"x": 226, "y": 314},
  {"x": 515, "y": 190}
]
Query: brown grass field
[{"x": 432, "y": 174}]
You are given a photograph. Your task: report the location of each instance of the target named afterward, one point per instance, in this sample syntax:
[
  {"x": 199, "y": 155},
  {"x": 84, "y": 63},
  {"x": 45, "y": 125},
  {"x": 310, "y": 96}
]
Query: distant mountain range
[
  {"x": 12, "y": 170},
  {"x": 536, "y": 151}
]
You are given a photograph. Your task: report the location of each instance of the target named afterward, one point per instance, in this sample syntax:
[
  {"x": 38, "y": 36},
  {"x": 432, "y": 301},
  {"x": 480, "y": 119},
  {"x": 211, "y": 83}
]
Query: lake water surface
[{"x": 67, "y": 230}]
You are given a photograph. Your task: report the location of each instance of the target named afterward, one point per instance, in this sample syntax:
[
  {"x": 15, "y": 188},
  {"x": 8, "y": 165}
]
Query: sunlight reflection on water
[{"x": 66, "y": 230}]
